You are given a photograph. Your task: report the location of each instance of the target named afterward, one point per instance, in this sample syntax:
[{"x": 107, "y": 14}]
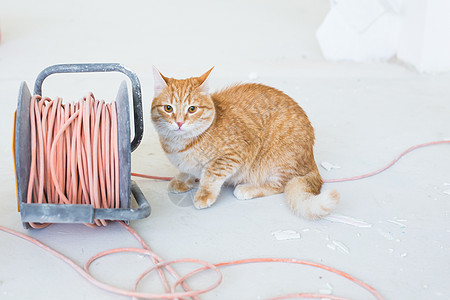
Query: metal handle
[{"x": 103, "y": 67}]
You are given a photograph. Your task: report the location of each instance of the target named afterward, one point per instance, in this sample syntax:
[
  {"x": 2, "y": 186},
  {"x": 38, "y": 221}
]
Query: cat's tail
[{"x": 304, "y": 197}]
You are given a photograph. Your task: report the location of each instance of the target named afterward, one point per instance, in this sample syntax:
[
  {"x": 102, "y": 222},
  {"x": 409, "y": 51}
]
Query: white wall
[
  {"x": 416, "y": 31},
  {"x": 424, "y": 38}
]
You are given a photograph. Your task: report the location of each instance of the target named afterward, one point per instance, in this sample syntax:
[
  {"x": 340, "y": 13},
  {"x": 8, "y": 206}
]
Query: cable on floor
[{"x": 74, "y": 161}]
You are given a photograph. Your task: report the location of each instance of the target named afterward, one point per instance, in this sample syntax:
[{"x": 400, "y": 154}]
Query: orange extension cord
[
  {"x": 172, "y": 294},
  {"x": 75, "y": 161},
  {"x": 74, "y": 153}
]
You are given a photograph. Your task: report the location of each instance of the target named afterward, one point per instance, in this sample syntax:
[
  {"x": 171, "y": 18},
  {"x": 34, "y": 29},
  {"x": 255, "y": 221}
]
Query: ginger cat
[{"x": 251, "y": 136}]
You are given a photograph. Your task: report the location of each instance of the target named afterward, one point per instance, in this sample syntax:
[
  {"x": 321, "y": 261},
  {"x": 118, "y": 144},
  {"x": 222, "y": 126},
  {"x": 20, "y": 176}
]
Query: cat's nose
[{"x": 179, "y": 124}]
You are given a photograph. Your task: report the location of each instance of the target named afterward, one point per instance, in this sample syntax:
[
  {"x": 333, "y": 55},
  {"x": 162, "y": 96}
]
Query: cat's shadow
[{"x": 187, "y": 199}]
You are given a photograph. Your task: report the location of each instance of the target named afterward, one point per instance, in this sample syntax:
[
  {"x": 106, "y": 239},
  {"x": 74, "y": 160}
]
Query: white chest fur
[{"x": 187, "y": 162}]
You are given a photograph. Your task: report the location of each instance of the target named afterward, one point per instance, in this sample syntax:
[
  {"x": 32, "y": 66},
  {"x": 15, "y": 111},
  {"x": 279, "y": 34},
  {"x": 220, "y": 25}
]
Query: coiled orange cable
[{"x": 74, "y": 153}]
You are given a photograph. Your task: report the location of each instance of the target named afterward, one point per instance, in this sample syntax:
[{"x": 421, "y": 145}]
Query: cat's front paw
[
  {"x": 204, "y": 199},
  {"x": 177, "y": 186}
]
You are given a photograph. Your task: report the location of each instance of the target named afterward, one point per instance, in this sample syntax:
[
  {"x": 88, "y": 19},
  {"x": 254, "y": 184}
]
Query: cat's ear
[
  {"x": 204, "y": 81},
  {"x": 160, "y": 81}
]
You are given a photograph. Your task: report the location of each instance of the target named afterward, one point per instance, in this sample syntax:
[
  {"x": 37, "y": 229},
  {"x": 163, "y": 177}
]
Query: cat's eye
[
  {"x": 168, "y": 108},
  {"x": 192, "y": 109}
]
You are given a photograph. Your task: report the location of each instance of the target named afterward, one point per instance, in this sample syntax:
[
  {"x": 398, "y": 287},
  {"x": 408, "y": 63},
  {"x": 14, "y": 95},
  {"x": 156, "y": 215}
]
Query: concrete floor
[{"x": 364, "y": 115}]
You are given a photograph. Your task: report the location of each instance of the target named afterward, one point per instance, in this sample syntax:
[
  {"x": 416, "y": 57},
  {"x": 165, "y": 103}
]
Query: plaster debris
[
  {"x": 328, "y": 290},
  {"x": 325, "y": 291},
  {"x": 397, "y": 223},
  {"x": 390, "y": 251},
  {"x": 348, "y": 220},
  {"x": 282, "y": 235},
  {"x": 306, "y": 229},
  {"x": 446, "y": 183},
  {"x": 331, "y": 246},
  {"x": 447, "y": 192},
  {"x": 329, "y": 166},
  {"x": 253, "y": 76},
  {"x": 401, "y": 220},
  {"x": 403, "y": 254},
  {"x": 341, "y": 246},
  {"x": 386, "y": 235}
]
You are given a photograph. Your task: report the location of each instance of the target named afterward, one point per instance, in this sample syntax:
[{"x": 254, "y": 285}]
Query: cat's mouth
[{"x": 179, "y": 130}]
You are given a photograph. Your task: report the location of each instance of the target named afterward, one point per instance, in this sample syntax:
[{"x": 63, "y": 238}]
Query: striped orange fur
[{"x": 251, "y": 136}]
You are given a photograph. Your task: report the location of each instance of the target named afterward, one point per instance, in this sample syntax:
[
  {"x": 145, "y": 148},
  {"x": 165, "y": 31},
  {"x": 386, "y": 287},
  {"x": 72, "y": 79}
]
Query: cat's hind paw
[
  {"x": 244, "y": 192},
  {"x": 248, "y": 191}
]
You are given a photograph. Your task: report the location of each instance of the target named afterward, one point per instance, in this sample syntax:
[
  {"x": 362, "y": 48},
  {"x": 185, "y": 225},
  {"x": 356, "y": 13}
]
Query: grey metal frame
[{"x": 58, "y": 213}]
